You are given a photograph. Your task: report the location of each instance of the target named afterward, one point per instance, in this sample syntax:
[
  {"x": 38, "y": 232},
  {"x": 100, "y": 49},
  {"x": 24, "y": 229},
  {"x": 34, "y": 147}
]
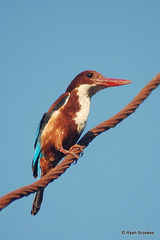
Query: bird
[{"x": 61, "y": 127}]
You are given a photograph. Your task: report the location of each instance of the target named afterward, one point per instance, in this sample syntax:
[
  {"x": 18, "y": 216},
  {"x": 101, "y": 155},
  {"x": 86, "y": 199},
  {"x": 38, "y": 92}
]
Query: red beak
[{"x": 111, "y": 82}]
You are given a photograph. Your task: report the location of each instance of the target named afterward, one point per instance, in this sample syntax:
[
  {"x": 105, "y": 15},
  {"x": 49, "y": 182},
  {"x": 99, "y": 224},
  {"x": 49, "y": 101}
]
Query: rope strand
[{"x": 84, "y": 142}]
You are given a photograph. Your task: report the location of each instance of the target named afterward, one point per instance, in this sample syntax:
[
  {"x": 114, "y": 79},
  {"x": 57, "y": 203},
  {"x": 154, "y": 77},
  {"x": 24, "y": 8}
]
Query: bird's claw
[
  {"x": 76, "y": 156},
  {"x": 80, "y": 148}
]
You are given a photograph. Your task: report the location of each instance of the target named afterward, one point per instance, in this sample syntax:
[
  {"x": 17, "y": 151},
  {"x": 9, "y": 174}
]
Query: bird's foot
[
  {"x": 64, "y": 151},
  {"x": 80, "y": 148}
]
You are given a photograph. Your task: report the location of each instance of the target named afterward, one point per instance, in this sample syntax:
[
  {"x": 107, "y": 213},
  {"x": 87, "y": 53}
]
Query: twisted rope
[{"x": 84, "y": 142}]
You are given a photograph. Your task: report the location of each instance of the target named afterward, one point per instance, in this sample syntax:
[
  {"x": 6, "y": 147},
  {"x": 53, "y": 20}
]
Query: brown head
[{"x": 96, "y": 81}]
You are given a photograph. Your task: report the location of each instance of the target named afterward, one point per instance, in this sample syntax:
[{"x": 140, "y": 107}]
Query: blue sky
[{"x": 115, "y": 185}]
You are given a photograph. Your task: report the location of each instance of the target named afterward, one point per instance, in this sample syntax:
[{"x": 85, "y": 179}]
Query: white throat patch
[{"x": 84, "y": 101}]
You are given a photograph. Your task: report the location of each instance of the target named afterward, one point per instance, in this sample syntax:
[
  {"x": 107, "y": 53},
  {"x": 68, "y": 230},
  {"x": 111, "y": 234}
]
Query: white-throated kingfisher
[{"x": 63, "y": 124}]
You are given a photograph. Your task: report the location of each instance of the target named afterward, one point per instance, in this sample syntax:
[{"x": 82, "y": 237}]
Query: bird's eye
[{"x": 89, "y": 75}]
